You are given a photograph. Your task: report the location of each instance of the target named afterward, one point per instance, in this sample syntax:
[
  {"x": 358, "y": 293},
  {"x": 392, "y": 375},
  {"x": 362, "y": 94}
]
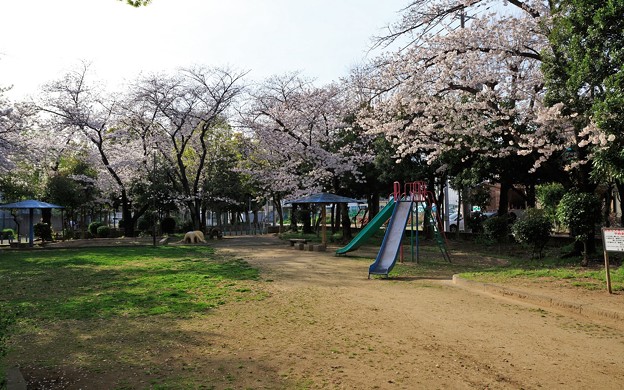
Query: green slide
[{"x": 371, "y": 228}]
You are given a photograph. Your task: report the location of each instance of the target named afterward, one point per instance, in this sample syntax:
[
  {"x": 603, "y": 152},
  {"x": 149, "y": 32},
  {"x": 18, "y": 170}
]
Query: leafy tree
[
  {"x": 549, "y": 195},
  {"x": 580, "y": 212},
  {"x": 73, "y": 186},
  {"x": 584, "y": 73}
]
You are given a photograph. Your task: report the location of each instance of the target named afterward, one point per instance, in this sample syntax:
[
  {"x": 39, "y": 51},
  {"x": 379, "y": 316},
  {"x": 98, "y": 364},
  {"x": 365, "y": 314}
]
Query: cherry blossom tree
[
  {"x": 303, "y": 141},
  {"x": 467, "y": 88},
  {"x": 11, "y": 123},
  {"x": 181, "y": 111},
  {"x": 73, "y": 105}
]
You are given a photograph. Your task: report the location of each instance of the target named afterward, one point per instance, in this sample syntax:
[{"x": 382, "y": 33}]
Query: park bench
[{"x": 294, "y": 241}]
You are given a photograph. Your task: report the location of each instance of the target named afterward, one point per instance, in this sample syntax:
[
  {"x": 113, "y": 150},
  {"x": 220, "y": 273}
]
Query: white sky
[{"x": 41, "y": 39}]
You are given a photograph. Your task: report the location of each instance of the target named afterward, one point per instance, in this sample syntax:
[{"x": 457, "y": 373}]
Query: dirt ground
[{"x": 324, "y": 325}]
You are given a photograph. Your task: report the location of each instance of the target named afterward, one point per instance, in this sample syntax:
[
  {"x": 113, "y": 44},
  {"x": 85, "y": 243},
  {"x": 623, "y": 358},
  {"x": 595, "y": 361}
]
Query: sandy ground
[{"x": 324, "y": 325}]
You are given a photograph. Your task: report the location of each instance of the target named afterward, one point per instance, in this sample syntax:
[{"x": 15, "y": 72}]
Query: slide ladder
[{"x": 437, "y": 234}]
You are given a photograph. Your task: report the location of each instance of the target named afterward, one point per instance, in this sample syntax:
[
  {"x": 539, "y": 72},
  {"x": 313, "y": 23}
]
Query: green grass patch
[
  {"x": 105, "y": 282},
  {"x": 550, "y": 269}
]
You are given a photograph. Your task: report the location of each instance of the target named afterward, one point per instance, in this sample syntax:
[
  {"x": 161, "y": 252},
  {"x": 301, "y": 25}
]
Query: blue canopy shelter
[{"x": 31, "y": 205}]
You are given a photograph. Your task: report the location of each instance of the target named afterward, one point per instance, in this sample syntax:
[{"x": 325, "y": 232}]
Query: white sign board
[{"x": 613, "y": 240}]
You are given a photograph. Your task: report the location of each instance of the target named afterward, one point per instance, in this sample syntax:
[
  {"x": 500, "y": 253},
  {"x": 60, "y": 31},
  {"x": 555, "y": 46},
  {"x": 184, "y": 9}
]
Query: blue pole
[{"x": 31, "y": 232}]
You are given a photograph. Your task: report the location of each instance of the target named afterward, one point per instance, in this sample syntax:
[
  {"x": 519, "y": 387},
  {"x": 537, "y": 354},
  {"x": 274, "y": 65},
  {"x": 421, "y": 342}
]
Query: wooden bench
[{"x": 294, "y": 241}]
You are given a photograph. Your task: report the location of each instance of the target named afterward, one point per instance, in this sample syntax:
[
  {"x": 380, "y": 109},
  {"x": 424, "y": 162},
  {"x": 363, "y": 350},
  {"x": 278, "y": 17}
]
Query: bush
[
  {"x": 549, "y": 195},
  {"x": 7, "y": 234},
  {"x": 146, "y": 223},
  {"x": 103, "y": 231},
  {"x": 43, "y": 231},
  {"x": 580, "y": 212},
  {"x": 533, "y": 230},
  {"x": 168, "y": 225},
  {"x": 475, "y": 222},
  {"x": 187, "y": 226},
  {"x": 497, "y": 228},
  {"x": 93, "y": 227}
]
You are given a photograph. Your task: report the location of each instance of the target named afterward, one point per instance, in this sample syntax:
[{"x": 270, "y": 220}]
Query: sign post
[{"x": 612, "y": 241}]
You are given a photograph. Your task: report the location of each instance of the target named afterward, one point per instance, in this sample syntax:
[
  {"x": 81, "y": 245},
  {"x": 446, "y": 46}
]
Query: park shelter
[
  {"x": 324, "y": 198},
  {"x": 31, "y": 205}
]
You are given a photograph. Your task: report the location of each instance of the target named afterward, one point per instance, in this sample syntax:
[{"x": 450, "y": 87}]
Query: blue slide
[{"x": 386, "y": 258}]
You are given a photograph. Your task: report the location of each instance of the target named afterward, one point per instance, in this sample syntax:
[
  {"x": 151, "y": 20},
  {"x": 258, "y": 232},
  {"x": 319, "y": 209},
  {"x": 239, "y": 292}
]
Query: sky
[{"x": 40, "y": 40}]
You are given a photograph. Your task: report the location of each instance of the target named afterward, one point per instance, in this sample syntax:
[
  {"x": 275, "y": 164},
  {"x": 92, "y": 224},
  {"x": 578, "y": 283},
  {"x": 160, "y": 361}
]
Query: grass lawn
[
  {"x": 510, "y": 262},
  {"x": 104, "y": 282},
  {"x": 62, "y": 294}
]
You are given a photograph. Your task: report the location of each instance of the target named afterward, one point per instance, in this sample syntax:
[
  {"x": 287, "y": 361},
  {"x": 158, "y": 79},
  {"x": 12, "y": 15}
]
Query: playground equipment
[
  {"x": 369, "y": 230},
  {"x": 401, "y": 206}
]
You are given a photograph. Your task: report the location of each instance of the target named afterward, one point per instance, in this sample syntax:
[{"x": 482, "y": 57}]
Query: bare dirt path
[{"x": 324, "y": 325}]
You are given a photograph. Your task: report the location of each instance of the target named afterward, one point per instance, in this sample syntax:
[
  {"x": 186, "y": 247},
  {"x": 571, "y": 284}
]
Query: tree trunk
[
  {"x": 620, "y": 188},
  {"x": 372, "y": 201},
  {"x": 346, "y": 222},
  {"x": 306, "y": 219},
  {"x": 503, "y": 200},
  {"x": 337, "y": 219},
  {"x": 585, "y": 261},
  {"x": 293, "y": 218},
  {"x": 606, "y": 221},
  {"x": 46, "y": 216},
  {"x": 280, "y": 213},
  {"x": 530, "y": 195}
]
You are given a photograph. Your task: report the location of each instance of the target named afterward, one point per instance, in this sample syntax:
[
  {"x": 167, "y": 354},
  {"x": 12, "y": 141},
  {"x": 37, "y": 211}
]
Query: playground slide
[
  {"x": 371, "y": 228},
  {"x": 389, "y": 250}
]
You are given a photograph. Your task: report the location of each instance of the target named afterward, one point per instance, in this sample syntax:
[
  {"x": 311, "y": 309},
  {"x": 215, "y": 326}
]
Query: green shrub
[
  {"x": 103, "y": 231},
  {"x": 43, "y": 231},
  {"x": 497, "y": 228},
  {"x": 187, "y": 226},
  {"x": 580, "y": 212},
  {"x": 549, "y": 195},
  {"x": 475, "y": 222},
  {"x": 533, "y": 230},
  {"x": 7, "y": 234},
  {"x": 93, "y": 227},
  {"x": 168, "y": 225}
]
